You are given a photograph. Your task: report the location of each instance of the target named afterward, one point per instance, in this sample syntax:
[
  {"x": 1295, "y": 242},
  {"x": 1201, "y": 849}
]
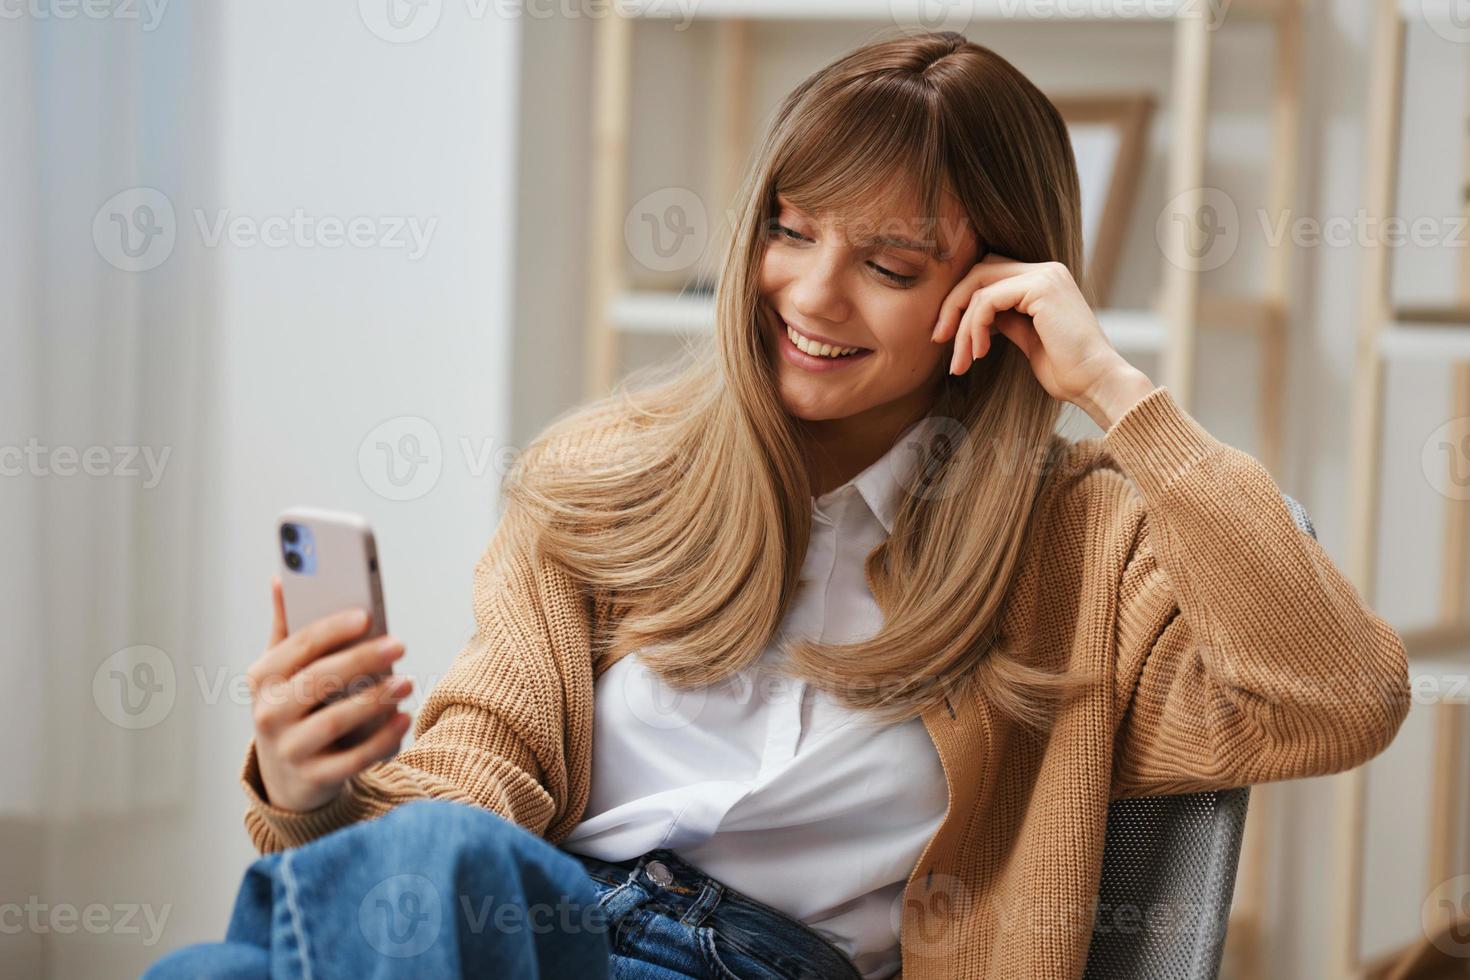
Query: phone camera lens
[
  {"x": 289, "y": 533},
  {"x": 293, "y": 560}
]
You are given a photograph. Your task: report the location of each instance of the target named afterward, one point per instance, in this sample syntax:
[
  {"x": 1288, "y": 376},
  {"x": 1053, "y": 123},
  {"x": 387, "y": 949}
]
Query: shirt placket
[{"x": 788, "y": 694}]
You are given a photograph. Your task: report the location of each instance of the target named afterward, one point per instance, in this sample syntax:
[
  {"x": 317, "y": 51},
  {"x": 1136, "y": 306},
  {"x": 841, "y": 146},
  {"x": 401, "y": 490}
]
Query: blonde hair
[{"x": 695, "y": 519}]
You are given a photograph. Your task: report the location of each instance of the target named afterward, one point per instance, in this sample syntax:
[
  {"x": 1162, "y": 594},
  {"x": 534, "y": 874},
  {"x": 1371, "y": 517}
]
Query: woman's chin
[{"x": 814, "y": 406}]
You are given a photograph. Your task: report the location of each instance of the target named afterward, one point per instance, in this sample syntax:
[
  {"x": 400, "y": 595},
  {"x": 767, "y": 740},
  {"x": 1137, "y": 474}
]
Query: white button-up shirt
[{"x": 769, "y": 786}]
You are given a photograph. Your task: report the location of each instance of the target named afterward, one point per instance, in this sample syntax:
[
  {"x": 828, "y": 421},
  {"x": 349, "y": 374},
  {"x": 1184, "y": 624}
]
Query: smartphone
[{"x": 329, "y": 562}]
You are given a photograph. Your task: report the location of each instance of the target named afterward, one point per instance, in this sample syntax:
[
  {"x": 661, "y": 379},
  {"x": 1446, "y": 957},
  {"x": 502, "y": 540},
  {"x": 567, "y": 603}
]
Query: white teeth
[{"x": 815, "y": 349}]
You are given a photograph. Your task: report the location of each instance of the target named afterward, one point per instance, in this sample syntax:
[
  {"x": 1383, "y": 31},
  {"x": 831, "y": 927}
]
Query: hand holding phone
[{"x": 325, "y": 700}]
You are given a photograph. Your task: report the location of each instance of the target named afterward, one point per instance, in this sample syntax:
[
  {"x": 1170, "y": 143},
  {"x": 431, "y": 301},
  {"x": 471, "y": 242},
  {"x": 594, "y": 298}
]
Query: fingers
[
  {"x": 963, "y": 353},
  {"x": 340, "y": 766},
  {"x": 1018, "y": 330},
  {"x": 955, "y": 304},
  {"x": 368, "y": 709},
  {"x": 307, "y": 644},
  {"x": 297, "y": 695},
  {"x": 1008, "y": 280},
  {"x": 278, "y": 610}
]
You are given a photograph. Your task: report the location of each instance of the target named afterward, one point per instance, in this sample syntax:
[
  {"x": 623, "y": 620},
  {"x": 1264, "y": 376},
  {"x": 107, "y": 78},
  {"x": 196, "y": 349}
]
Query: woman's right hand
[{"x": 308, "y": 748}]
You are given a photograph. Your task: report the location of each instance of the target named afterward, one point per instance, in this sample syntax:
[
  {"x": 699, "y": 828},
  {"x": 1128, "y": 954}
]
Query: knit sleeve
[
  {"x": 1243, "y": 655},
  {"x": 491, "y": 732}
]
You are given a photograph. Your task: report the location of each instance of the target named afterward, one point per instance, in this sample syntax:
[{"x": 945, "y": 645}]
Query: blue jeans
[{"x": 440, "y": 889}]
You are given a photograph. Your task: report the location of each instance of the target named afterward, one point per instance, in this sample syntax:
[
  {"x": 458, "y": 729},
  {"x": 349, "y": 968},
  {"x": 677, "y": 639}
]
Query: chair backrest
[{"x": 1168, "y": 877}]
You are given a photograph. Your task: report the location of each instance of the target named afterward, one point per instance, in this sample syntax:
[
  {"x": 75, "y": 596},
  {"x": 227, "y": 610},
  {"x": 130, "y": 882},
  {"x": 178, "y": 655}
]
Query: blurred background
[{"x": 353, "y": 255}]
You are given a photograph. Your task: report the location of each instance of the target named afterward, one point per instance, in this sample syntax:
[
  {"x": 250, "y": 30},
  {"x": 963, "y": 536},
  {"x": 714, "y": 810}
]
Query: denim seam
[
  {"x": 707, "y": 945},
  {"x": 294, "y": 911},
  {"x": 750, "y": 953}
]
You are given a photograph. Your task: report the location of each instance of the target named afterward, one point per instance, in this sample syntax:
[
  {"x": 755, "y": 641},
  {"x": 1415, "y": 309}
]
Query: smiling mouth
[{"x": 816, "y": 348}]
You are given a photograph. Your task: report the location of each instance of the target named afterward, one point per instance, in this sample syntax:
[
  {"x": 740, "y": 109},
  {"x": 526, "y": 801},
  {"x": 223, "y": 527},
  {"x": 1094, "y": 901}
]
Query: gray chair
[{"x": 1167, "y": 879}]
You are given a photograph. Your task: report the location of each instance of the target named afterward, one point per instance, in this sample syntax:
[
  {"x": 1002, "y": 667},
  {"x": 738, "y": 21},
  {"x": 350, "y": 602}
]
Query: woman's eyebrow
[{"x": 928, "y": 246}]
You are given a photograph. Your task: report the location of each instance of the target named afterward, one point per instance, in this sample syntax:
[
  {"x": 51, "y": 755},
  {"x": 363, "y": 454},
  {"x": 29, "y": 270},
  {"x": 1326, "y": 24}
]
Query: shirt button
[{"x": 660, "y": 873}]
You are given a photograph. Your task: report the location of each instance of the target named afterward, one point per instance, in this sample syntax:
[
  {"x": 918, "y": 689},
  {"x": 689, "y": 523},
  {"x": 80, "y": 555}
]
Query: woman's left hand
[{"x": 1040, "y": 309}]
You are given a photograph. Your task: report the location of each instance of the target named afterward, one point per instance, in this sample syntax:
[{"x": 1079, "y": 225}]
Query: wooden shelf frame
[{"x": 1386, "y": 333}]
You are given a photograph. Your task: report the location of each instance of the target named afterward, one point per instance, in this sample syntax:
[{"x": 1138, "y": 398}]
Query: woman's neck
[{"x": 842, "y": 448}]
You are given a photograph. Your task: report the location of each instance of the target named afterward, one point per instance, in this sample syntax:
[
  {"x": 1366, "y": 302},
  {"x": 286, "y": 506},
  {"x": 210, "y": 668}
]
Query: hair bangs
[{"x": 868, "y": 153}]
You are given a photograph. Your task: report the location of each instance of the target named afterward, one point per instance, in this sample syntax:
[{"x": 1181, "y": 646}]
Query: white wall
[{"x": 265, "y": 369}]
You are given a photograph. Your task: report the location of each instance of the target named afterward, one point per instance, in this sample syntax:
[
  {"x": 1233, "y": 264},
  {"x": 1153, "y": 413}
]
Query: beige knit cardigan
[{"x": 1228, "y": 650}]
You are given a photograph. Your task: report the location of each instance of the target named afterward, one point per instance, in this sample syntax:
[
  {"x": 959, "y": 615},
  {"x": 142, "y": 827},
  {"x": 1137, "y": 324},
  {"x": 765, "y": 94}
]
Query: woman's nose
[{"x": 819, "y": 291}]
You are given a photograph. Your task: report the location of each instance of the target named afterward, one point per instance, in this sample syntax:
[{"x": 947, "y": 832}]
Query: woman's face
[{"x": 872, "y": 286}]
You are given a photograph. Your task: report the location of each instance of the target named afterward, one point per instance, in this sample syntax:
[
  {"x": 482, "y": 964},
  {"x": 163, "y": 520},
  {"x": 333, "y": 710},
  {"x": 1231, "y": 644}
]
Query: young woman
[{"x": 823, "y": 657}]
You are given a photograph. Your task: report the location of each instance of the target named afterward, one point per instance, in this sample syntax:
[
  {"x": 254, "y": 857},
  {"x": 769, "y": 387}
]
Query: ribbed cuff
[
  {"x": 1156, "y": 441},
  {"x": 292, "y": 828}
]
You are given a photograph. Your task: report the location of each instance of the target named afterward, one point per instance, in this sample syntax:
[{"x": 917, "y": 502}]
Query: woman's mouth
[{"x": 812, "y": 355}]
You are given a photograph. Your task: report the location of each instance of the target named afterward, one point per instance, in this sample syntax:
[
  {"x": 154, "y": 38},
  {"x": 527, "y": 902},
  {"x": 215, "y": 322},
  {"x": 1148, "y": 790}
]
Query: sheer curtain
[{"x": 168, "y": 385}]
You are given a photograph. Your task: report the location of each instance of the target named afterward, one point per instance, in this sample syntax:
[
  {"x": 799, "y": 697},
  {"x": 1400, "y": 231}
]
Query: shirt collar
[{"x": 888, "y": 479}]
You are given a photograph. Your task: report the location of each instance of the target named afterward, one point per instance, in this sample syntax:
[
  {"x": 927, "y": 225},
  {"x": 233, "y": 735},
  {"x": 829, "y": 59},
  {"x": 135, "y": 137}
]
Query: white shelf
[
  {"x": 651, "y": 312},
  {"x": 655, "y": 312},
  {"x": 1402, "y": 341},
  {"x": 906, "y": 13}
]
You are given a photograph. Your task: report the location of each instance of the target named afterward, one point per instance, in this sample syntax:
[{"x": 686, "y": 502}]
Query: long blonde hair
[{"x": 695, "y": 519}]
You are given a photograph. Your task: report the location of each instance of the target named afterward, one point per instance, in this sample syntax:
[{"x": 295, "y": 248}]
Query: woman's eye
[
  {"x": 892, "y": 276},
  {"x": 779, "y": 229}
]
